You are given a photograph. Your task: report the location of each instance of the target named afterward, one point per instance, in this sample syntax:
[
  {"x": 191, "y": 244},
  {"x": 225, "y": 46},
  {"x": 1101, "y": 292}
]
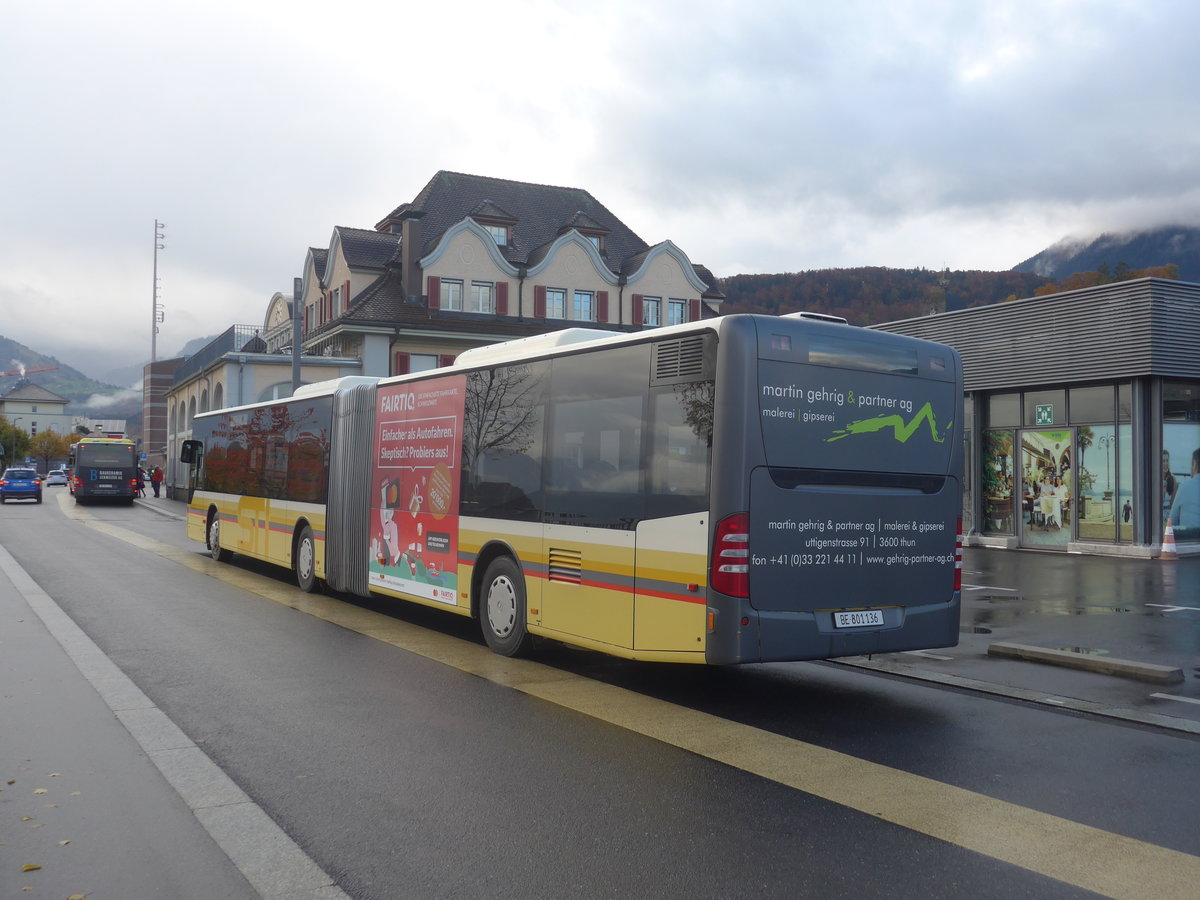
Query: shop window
[
  {"x": 1045, "y": 408},
  {"x": 1098, "y": 507},
  {"x": 1092, "y": 404},
  {"x": 1125, "y": 402},
  {"x": 1004, "y": 410},
  {"x": 997, "y": 481}
]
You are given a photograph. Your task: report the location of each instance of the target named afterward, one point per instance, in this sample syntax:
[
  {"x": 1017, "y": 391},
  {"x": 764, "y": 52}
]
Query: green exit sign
[{"x": 1044, "y": 414}]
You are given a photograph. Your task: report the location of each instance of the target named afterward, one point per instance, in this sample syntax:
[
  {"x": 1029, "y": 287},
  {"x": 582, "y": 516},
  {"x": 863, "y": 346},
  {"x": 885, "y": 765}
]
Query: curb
[
  {"x": 1106, "y": 665},
  {"x": 145, "y": 503}
]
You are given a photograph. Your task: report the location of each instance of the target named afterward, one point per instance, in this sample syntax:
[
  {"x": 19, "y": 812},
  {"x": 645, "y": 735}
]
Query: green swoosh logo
[{"x": 901, "y": 430}]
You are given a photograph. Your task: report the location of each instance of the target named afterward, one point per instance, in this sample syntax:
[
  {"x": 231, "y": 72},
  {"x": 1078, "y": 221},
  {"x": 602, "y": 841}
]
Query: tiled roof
[
  {"x": 320, "y": 255},
  {"x": 27, "y": 390},
  {"x": 366, "y": 249},
  {"x": 540, "y": 210}
]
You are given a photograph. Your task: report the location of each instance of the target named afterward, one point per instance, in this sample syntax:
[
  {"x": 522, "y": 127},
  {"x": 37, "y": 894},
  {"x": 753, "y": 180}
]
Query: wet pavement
[
  {"x": 1100, "y": 612},
  {"x": 1096, "y": 609}
]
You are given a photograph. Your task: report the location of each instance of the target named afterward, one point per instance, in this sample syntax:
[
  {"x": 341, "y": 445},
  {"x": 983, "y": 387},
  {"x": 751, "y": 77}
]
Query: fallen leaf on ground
[{"x": 30, "y": 867}]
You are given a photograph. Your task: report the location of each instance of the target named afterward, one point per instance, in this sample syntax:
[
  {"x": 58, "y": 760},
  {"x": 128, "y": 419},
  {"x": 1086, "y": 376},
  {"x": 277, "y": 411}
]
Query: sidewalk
[{"x": 102, "y": 795}]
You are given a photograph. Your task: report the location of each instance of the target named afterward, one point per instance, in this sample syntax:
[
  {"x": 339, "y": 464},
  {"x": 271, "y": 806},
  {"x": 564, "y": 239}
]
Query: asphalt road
[{"x": 406, "y": 760}]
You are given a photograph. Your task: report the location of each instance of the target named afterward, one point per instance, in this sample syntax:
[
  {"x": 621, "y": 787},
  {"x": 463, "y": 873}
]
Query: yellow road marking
[{"x": 1090, "y": 858}]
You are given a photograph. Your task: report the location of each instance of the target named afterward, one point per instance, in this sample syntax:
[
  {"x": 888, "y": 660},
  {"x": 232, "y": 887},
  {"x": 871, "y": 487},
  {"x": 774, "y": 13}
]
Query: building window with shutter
[
  {"x": 676, "y": 312},
  {"x": 584, "y": 307},
  {"x": 422, "y": 362},
  {"x": 452, "y": 294},
  {"x": 652, "y": 311},
  {"x": 556, "y": 303},
  {"x": 483, "y": 297}
]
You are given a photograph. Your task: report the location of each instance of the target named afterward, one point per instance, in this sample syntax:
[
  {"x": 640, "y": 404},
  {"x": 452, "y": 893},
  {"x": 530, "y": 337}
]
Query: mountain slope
[
  {"x": 63, "y": 380},
  {"x": 1172, "y": 244},
  {"x": 872, "y": 294}
]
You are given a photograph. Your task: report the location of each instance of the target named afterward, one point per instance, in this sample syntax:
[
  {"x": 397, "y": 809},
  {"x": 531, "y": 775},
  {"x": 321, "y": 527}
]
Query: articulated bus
[
  {"x": 103, "y": 468},
  {"x": 741, "y": 489}
]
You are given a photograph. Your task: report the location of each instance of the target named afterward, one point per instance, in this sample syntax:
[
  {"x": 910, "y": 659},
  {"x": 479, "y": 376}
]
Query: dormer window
[
  {"x": 499, "y": 234},
  {"x": 597, "y": 241}
]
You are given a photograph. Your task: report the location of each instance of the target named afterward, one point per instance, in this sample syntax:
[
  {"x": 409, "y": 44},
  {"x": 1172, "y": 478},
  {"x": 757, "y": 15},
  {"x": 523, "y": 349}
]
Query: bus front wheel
[
  {"x": 215, "y": 550},
  {"x": 305, "y": 561},
  {"x": 502, "y": 610}
]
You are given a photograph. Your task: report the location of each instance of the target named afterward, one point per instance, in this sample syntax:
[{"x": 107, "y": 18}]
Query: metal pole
[
  {"x": 297, "y": 313},
  {"x": 155, "y": 312}
]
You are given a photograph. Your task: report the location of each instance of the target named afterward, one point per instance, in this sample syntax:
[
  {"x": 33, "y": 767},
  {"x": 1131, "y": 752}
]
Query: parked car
[
  {"x": 55, "y": 476},
  {"x": 20, "y": 484}
]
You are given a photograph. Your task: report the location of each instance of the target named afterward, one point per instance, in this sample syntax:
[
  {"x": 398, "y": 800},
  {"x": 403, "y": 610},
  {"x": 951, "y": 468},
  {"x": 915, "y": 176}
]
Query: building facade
[
  {"x": 1082, "y": 417},
  {"x": 33, "y": 408},
  {"x": 472, "y": 260},
  {"x": 231, "y": 370}
]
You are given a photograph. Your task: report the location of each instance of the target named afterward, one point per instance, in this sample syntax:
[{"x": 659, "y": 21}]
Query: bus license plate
[{"x": 858, "y": 619}]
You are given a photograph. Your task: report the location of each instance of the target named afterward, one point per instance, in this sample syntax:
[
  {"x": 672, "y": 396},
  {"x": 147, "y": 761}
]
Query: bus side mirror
[{"x": 190, "y": 451}]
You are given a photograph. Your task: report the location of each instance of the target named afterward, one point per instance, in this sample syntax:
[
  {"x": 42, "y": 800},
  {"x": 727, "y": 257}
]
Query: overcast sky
[{"x": 758, "y": 136}]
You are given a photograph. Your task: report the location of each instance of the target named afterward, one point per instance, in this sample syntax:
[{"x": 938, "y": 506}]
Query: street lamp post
[{"x": 15, "y": 420}]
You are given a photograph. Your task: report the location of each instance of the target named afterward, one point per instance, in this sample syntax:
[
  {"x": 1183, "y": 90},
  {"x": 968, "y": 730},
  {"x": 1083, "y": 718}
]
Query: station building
[{"x": 1082, "y": 418}]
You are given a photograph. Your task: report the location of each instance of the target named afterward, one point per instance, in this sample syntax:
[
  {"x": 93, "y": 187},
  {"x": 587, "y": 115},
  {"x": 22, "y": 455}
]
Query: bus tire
[
  {"x": 215, "y": 550},
  {"x": 304, "y": 560},
  {"x": 502, "y": 608}
]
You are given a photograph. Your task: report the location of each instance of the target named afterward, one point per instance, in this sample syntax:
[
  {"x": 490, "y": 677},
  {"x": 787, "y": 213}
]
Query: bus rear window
[{"x": 866, "y": 356}]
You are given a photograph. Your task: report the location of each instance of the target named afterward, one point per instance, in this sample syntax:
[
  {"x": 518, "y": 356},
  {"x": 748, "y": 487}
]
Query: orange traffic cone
[{"x": 1168, "y": 547}]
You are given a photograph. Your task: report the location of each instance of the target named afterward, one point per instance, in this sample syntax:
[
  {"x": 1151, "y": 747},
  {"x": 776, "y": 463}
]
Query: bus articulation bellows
[{"x": 742, "y": 489}]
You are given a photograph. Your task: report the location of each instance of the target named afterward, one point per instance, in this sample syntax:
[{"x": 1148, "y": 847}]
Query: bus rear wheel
[
  {"x": 215, "y": 550},
  {"x": 502, "y": 608},
  {"x": 304, "y": 561}
]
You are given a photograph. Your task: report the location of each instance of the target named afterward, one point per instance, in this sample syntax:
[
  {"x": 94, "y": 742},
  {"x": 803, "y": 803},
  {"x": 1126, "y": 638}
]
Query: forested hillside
[
  {"x": 47, "y": 371},
  {"x": 869, "y": 295}
]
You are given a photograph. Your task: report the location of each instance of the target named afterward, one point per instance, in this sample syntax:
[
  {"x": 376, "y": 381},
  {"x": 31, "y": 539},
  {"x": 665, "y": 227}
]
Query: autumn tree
[
  {"x": 14, "y": 442},
  {"x": 48, "y": 445}
]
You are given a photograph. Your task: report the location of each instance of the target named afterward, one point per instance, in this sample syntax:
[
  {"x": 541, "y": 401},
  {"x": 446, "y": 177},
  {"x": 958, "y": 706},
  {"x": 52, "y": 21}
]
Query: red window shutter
[
  {"x": 601, "y": 306},
  {"x": 345, "y": 296},
  {"x": 693, "y": 310},
  {"x": 434, "y": 286},
  {"x": 637, "y": 309},
  {"x": 402, "y": 364},
  {"x": 502, "y": 298},
  {"x": 539, "y": 301},
  {"x": 446, "y": 359}
]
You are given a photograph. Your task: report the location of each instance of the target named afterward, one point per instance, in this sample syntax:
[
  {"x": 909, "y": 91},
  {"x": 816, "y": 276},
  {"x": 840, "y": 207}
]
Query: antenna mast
[{"x": 156, "y": 307}]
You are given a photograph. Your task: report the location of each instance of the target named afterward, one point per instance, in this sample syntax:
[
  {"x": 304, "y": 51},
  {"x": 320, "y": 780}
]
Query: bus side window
[{"x": 682, "y": 435}]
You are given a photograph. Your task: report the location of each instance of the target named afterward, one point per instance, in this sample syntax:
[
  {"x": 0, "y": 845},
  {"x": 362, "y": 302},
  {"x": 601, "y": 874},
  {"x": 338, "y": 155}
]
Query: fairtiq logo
[{"x": 901, "y": 430}]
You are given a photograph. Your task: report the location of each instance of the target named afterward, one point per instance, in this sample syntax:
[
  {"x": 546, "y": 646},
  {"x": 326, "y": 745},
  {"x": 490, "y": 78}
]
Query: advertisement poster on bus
[{"x": 415, "y": 484}]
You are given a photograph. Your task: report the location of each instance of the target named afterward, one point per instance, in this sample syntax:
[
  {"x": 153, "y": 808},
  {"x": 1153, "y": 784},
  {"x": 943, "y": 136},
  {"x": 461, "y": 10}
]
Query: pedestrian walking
[{"x": 156, "y": 477}]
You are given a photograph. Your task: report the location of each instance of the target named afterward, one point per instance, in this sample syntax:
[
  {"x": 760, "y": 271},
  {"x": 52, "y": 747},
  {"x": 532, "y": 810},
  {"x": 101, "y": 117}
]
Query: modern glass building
[{"x": 1082, "y": 417}]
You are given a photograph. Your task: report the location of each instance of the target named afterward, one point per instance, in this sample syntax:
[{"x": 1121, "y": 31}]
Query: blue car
[{"x": 20, "y": 484}]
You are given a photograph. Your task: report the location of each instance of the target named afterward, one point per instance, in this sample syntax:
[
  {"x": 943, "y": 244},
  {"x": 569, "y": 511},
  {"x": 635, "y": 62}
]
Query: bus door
[
  {"x": 592, "y": 497},
  {"x": 672, "y": 537}
]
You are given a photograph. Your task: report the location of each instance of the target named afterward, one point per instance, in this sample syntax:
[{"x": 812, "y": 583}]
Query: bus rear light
[
  {"x": 958, "y": 558},
  {"x": 730, "y": 567}
]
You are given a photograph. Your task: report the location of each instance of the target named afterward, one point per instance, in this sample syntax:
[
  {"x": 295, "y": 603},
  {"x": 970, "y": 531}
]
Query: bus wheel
[
  {"x": 305, "y": 561},
  {"x": 215, "y": 550},
  {"x": 502, "y": 611}
]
